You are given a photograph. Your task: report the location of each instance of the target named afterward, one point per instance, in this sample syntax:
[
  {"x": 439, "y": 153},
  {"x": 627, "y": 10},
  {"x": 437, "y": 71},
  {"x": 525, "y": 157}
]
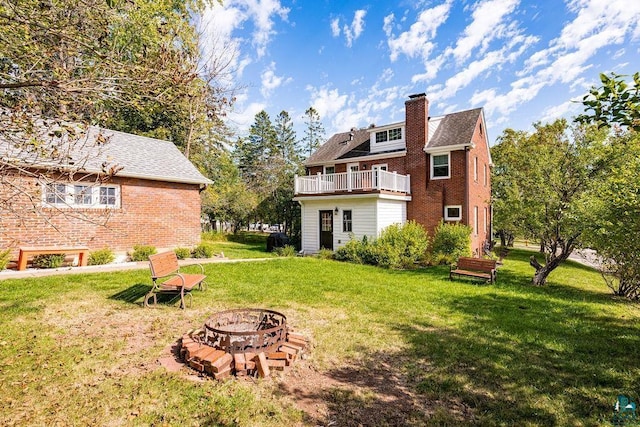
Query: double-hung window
[
  {"x": 347, "y": 222},
  {"x": 80, "y": 195},
  {"x": 440, "y": 166}
]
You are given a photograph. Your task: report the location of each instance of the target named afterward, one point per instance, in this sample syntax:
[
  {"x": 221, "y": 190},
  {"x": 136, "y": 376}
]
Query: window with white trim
[
  {"x": 329, "y": 169},
  {"x": 394, "y": 134},
  {"x": 475, "y": 220},
  {"x": 486, "y": 224},
  {"x": 475, "y": 168},
  {"x": 347, "y": 221},
  {"x": 453, "y": 213},
  {"x": 485, "y": 174},
  {"x": 80, "y": 195},
  {"x": 440, "y": 165}
]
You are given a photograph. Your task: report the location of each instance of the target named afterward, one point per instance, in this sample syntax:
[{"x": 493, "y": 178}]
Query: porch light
[{"x": 336, "y": 211}]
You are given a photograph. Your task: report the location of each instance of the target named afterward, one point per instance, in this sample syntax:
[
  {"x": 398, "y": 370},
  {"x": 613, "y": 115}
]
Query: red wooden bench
[
  {"x": 475, "y": 267},
  {"x": 168, "y": 279},
  {"x": 26, "y": 252}
]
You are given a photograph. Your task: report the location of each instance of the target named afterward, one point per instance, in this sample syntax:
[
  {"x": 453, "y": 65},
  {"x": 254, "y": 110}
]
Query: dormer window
[{"x": 394, "y": 134}]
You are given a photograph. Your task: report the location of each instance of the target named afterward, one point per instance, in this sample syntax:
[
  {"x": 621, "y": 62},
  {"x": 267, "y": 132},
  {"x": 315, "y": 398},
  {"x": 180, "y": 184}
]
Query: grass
[
  {"x": 389, "y": 348},
  {"x": 243, "y": 245}
]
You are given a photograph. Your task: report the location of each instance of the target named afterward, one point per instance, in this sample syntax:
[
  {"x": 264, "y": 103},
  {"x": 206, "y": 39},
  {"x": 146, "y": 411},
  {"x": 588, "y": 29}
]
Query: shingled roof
[
  {"x": 448, "y": 130},
  {"x": 133, "y": 156},
  {"x": 453, "y": 129}
]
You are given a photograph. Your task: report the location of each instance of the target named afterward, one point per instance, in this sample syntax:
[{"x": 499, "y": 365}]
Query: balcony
[{"x": 359, "y": 181}]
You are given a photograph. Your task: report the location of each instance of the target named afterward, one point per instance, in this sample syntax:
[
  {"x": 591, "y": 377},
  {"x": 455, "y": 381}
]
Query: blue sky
[{"x": 357, "y": 61}]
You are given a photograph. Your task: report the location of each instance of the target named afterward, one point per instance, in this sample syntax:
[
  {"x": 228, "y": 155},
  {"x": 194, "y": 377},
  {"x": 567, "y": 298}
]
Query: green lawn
[{"x": 388, "y": 348}]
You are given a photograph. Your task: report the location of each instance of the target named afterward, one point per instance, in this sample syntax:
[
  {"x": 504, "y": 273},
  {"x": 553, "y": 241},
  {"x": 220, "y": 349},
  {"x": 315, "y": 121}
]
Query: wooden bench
[
  {"x": 26, "y": 252},
  {"x": 168, "y": 279},
  {"x": 475, "y": 267}
]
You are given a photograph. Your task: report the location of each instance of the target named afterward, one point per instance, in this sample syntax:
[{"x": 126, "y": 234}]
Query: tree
[
  {"x": 131, "y": 66},
  {"x": 615, "y": 102},
  {"x": 505, "y": 192},
  {"x": 612, "y": 217},
  {"x": 286, "y": 143},
  {"x": 314, "y": 131},
  {"x": 613, "y": 211},
  {"x": 551, "y": 172}
]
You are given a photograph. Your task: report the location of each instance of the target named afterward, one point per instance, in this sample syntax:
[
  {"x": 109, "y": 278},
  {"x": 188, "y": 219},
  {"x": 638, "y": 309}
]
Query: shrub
[
  {"x": 142, "y": 252},
  {"x": 401, "y": 246},
  {"x": 203, "y": 250},
  {"x": 4, "y": 258},
  {"x": 286, "y": 251},
  {"x": 451, "y": 241},
  {"x": 48, "y": 260},
  {"x": 182, "y": 253},
  {"x": 325, "y": 254},
  {"x": 359, "y": 252},
  {"x": 215, "y": 236},
  {"x": 101, "y": 257}
]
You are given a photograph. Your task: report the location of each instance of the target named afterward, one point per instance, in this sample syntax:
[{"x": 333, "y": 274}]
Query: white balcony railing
[{"x": 367, "y": 180}]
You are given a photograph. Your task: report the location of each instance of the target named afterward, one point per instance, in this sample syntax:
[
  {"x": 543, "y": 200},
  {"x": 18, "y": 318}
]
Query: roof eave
[
  {"x": 376, "y": 156},
  {"x": 447, "y": 148},
  {"x": 119, "y": 174}
]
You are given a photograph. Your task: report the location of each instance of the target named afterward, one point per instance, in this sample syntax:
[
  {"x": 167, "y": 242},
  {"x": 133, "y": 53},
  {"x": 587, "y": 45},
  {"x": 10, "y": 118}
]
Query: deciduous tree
[
  {"x": 550, "y": 170},
  {"x": 615, "y": 102}
]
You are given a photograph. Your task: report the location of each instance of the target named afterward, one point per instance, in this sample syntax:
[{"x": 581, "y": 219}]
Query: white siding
[
  {"x": 363, "y": 217},
  {"x": 391, "y": 212},
  {"x": 369, "y": 216}
]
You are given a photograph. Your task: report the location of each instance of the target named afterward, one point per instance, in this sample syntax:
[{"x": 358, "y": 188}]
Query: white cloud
[
  {"x": 341, "y": 111},
  {"x": 563, "y": 110},
  {"x": 354, "y": 31},
  {"x": 270, "y": 80},
  {"x": 351, "y": 31},
  {"x": 597, "y": 24},
  {"x": 417, "y": 40},
  {"x": 335, "y": 27},
  {"x": 388, "y": 24},
  {"x": 326, "y": 101},
  {"x": 486, "y": 25},
  {"x": 243, "y": 119},
  {"x": 224, "y": 19}
]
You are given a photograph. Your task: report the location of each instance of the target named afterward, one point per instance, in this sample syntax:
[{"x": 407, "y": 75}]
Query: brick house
[
  {"x": 426, "y": 169},
  {"x": 153, "y": 198}
]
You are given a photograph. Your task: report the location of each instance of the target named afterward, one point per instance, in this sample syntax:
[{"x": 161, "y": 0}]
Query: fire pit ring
[{"x": 246, "y": 330}]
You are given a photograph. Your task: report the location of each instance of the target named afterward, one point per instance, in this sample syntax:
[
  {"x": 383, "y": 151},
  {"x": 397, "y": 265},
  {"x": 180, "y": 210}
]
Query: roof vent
[
  {"x": 372, "y": 125},
  {"x": 351, "y": 136}
]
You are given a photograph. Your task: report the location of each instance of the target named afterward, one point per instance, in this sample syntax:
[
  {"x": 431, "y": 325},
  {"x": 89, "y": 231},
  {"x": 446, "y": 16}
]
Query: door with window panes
[
  {"x": 326, "y": 230},
  {"x": 376, "y": 173}
]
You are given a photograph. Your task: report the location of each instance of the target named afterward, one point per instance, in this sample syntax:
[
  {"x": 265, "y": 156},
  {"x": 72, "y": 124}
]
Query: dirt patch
[{"x": 371, "y": 391}]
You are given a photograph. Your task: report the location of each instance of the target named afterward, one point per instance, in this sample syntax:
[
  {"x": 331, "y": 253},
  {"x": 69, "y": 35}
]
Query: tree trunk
[{"x": 543, "y": 271}]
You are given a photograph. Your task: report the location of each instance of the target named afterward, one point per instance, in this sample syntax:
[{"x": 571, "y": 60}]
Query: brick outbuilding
[{"x": 76, "y": 199}]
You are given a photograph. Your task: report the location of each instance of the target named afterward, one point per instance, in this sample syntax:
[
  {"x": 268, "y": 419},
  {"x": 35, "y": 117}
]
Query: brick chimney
[{"x": 416, "y": 127}]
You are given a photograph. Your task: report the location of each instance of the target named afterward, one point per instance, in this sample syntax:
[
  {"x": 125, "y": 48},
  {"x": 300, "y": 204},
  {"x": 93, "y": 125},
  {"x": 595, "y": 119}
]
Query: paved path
[
  {"x": 586, "y": 257},
  {"x": 41, "y": 272}
]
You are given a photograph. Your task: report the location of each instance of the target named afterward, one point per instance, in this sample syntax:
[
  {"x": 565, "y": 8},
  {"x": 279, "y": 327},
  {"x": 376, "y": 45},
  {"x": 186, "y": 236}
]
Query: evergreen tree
[{"x": 314, "y": 131}]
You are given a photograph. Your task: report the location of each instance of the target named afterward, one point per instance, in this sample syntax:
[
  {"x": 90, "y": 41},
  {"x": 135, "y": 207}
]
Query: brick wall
[
  {"x": 479, "y": 190},
  {"x": 161, "y": 214},
  {"x": 420, "y": 208}
]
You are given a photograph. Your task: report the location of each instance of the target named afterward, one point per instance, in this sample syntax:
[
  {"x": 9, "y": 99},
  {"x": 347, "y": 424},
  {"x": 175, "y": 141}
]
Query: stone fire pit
[{"x": 245, "y": 341}]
